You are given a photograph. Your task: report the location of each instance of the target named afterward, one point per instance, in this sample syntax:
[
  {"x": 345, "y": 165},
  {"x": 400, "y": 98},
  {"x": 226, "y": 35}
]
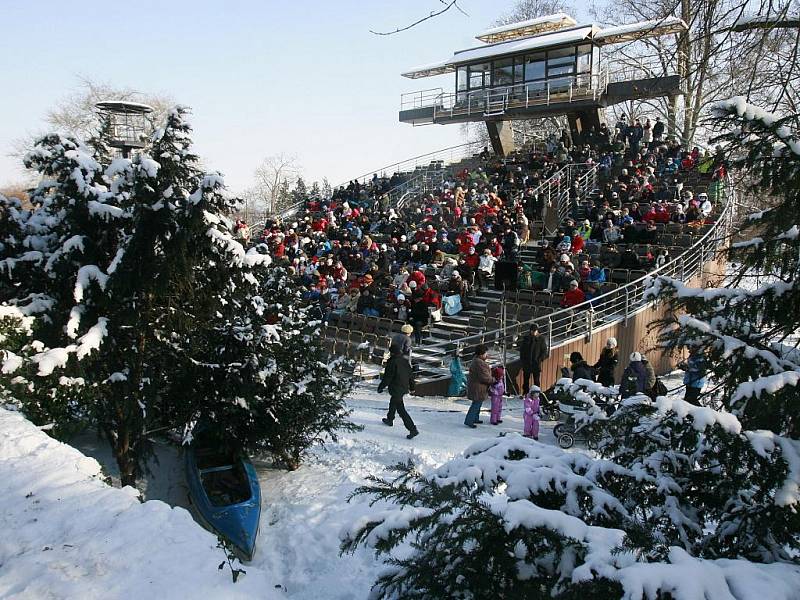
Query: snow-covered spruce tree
[
  {"x": 513, "y": 518},
  {"x": 706, "y": 498},
  {"x": 133, "y": 274}
]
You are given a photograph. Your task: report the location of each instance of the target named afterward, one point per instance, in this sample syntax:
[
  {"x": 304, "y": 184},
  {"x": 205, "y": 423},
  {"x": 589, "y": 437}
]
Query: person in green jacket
[{"x": 398, "y": 377}]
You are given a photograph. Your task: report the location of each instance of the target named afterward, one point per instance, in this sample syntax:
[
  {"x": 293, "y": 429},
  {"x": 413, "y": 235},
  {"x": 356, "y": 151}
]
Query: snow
[
  {"x": 553, "y": 19},
  {"x": 546, "y": 40},
  {"x": 92, "y": 339},
  {"x": 702, "y": 416},
  {"x": 67, "y": 534},
  {"x": 750, "y": 112},
  {"x": 769, "y": 384},
  {"x": 759, "y": 19},
  {"x": 103, "y": 540},
  {"x": 149, "y": 166},
  {"x": 653, "y": 26},
  {"x": 106, "y": 211},
  {"x": 86, "y": 274}
]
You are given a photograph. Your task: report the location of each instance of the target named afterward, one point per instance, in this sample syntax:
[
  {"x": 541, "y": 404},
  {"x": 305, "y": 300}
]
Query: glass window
[
  {"x": 479, "y": 76},
  {"x": 503, "y": 73},
  {"x": 534, "y": 66},
  {"x": 560, "y": 62},
  {"x": 562, "y": 53},
  {"x": 519, "y": 69},
  {"x": 461, "y": 79},
  {"x": 562, "y": 70},
  {"x": 584, "y": 59}
]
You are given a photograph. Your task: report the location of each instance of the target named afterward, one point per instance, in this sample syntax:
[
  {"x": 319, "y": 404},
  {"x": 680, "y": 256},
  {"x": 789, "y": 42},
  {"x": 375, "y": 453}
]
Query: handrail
[
  {"x": 413, "y": 162},
  {"x": 568, "y": 324}
]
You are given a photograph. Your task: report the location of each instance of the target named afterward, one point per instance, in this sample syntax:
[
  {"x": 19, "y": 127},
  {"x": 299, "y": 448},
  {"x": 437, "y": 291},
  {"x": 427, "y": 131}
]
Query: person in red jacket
[
  {"x": 464, "y": 243},
  {"x": 472, "y": 260},
  {"x": 573, "y": 296},
  {"x": 577, "y": 244},
  {"x": 418, "y": 277},
  {"x": 432, "y": 297}
]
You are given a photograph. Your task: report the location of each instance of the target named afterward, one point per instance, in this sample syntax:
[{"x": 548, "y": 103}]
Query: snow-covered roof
[
  {"x": 124, "y": 106},
  {"x": 526, "y": 28},
  {"x": 429, "y": 70},
  {"x": 548, "y": 39},
  {"x": 766, "y": 21},
  {"x": 637, "y": 31}
]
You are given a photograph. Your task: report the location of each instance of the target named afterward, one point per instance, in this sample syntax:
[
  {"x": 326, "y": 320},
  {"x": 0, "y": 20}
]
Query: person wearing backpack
[{"x": 634, "y": 378}]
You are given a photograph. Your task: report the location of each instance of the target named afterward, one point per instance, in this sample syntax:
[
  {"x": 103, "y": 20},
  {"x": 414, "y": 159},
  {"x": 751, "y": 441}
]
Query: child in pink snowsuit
[
  {"x": 496, "y": 391},
  {"x": 531, "y": 415}
]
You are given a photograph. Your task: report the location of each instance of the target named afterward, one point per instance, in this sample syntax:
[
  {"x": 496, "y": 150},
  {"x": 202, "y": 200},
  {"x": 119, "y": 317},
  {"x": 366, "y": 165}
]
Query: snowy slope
[
  {"x": 103, "y": 543},
  {"x": 66, "y": 534}
]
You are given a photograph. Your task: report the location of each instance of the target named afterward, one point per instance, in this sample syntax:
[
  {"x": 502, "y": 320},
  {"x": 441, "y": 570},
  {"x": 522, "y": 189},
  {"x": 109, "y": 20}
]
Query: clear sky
[{"x": 262, "y": 77}]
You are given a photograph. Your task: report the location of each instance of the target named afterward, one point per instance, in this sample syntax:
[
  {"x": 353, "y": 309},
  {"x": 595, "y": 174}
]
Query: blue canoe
[{"x": 224, "y": 489}]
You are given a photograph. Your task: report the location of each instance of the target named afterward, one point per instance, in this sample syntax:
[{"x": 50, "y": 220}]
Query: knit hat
[
  {"x": 407, "y": 329},
  {"x": 636, "y": 357},
  {"x": 611, "y": 342}
]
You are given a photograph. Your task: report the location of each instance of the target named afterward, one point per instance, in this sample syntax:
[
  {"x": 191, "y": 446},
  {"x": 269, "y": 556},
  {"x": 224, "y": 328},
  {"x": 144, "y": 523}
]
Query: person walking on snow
[
  {"x": 398, "y": 377},
  {"x": 478, "y": 382},
  {"x": 531, "y": 414},
  {"x": 496, "y": 391}
]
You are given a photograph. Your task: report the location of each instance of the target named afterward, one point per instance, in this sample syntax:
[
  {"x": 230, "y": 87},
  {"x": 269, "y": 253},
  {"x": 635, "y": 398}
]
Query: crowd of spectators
[{"x": 356, "y": 252}]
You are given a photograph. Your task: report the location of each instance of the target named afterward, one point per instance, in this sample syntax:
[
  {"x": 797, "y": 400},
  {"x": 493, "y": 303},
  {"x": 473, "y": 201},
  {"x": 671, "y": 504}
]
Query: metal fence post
[
  {"x": 589, "y": 323},
  {"x": 702, "y": 264},
  {"x": 680, "y": 267},
  {"x": 549, "y": 333},
  {"x": 627, "y": 303}
]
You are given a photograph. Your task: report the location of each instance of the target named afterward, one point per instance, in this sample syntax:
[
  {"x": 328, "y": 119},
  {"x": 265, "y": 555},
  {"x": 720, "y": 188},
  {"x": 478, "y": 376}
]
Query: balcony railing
[{"x": 497, "y": 100}]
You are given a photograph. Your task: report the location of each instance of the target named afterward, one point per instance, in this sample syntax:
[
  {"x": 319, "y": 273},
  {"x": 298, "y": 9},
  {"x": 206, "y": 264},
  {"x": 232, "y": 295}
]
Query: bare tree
[
  {"x": 77, "y": 115},
  {"x": 712, "y": 61},
  {"x": 531, "y": 9},
  {"x": 272, "y": 176},
  {"x": 448, "y": 4}
]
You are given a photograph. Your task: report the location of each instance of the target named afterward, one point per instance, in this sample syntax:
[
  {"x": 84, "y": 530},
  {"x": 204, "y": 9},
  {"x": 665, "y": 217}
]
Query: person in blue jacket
[
  {"x": 458, "y": 381},
  {"x": 694, "y": 377}
]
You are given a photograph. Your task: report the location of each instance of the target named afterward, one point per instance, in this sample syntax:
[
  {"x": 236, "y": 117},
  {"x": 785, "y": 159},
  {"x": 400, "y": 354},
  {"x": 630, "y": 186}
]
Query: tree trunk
[
  {"x": 125, "y": 462},
  {"x": 684, "y": 50}
]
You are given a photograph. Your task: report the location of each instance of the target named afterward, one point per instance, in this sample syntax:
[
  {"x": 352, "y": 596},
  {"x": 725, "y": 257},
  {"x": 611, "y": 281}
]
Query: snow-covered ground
[
  {"x": 69, "y": 535},
  {"x": 66, "y": 534}
]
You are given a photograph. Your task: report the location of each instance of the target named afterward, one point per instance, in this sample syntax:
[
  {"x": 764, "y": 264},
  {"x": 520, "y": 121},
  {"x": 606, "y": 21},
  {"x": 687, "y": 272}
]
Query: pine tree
[
  {"x": 148, "y": 313},
  {"x": 327, "y": 189},
  {"x": 300, "y": 191}
]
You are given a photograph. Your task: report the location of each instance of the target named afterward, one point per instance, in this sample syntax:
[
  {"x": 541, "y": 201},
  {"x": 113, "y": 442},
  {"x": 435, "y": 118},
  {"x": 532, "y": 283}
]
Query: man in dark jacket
[
  {"x": 532, "y": 352},
  {"x": 398, "y": 376}
]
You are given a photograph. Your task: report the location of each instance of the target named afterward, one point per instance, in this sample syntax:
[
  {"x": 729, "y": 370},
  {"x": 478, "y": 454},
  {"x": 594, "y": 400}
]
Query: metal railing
[
  {"x": 496, "y": 100},
  {"x": 443, "y": 156},
  {"x": 581, "y": 321}
]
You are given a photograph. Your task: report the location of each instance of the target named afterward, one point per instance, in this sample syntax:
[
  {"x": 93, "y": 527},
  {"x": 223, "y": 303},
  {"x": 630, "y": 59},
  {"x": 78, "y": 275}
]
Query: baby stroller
[{"x": 582, "y": 419}]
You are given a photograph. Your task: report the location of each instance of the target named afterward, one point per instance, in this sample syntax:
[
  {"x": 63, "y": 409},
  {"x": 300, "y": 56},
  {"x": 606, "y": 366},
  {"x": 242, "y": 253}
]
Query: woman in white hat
[{"x": 607, "y": 362}]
